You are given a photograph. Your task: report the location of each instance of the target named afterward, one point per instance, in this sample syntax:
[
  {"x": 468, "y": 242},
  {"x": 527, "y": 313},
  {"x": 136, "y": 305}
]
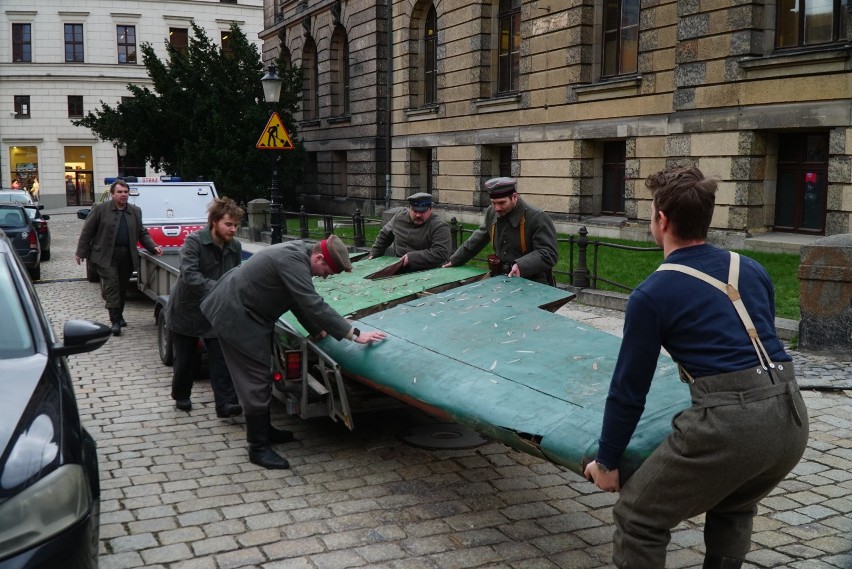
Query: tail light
[
  {"x": 32, "y": 239},
  {"x": 276, "y": 376},
  {"x": 41, "y": 228},
  {"x": 294, "y": 365}
]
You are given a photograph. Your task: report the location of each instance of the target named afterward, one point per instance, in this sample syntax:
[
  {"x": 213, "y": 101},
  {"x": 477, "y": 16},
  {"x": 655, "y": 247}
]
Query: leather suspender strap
[{"x": 729, "y": 290}]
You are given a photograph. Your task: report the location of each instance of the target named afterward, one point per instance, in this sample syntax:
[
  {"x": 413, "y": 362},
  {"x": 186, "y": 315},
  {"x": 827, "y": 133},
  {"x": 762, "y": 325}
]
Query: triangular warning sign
[{"x": 274, "y": 136}]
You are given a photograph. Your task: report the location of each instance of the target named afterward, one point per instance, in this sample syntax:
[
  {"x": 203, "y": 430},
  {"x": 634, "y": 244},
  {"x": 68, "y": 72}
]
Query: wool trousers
[
  {"x": 252, "y": 379},
  {"x": 744, "y": 432},
  {"x": 114, "y": 278}
]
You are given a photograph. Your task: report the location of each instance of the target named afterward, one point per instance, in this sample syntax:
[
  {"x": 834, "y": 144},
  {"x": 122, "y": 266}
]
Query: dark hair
[
  {"x": 686, "y": 197},
  {"x": 117, "y": 183},
  {"x": 220, "y": 207}
]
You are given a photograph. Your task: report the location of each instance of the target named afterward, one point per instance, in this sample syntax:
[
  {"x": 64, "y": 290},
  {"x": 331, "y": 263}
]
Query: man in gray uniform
[
  {"x": 420, "y": 238},
  {"x": 206, "y": 255},
  {"x": 108, "y": 241},
  {"x": 523, "y": 237},
  {"x": 243, "y": 308}
]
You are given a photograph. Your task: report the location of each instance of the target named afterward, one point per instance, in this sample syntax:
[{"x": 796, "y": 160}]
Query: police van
[{"x": 171, "y": 208}]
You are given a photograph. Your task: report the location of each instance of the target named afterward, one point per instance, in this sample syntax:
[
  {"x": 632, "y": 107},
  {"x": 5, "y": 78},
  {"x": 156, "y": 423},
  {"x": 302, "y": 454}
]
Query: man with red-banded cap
[
  {"x": 523, "y": 237},
  {"x": 243, "y": 307}
]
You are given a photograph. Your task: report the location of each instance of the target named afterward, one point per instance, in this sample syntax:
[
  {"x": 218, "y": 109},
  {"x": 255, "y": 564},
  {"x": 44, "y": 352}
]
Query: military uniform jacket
[
  {"x": 97, "y": 240},
  {"x": 245, "y": 303},
  {"x": 202, "y": 263},
  {"x": 427, "y": 245},
  {"x": 542, "y": 251}
]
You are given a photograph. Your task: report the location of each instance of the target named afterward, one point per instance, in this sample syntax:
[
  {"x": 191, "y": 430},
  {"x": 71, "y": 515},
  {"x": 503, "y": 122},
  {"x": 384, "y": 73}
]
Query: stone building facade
[
  {"x": 581, "y": 100},
  {"x": 60, "y": 60}
]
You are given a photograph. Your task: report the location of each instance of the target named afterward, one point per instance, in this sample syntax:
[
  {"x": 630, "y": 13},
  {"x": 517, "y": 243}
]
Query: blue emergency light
[{"x": 135, "y": 180}]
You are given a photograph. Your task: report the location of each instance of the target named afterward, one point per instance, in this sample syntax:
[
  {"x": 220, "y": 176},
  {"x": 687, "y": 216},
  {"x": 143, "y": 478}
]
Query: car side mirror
[
  {"x": 81, "y": 336},
  {"x": 83, "y": 213},
  {"x": 40, "y": 206},
  {"x": 45, "y": 217}
]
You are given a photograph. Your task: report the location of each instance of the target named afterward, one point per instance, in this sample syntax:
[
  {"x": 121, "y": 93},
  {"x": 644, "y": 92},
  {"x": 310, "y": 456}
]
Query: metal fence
[{"x": 578, "y": 274}]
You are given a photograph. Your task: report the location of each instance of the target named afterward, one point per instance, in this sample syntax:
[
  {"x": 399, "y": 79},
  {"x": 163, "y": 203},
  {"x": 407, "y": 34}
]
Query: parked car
[
  {"x": 21, "y": 231},
  {"x": 15, "y": 196},
  {"x": 49, "y": 487},
  {"x": 40, "y": 221}
]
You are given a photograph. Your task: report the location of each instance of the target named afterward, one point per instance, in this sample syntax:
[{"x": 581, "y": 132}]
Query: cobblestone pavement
[{"x": 178, "y": 491}]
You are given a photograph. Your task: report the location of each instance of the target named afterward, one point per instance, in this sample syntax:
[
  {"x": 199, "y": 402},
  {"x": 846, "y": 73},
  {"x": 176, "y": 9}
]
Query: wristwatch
[
  {"x": 355, "y": 333},
  {"x": 602, "y": 467}
]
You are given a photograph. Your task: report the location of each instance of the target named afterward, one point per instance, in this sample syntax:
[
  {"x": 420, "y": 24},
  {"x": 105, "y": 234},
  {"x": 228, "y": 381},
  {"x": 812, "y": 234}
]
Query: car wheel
[
  {"x": 92, "y": 273},
  {"x": 45, "y": 254},
  {"x": 35, "y": 273},
  {"x": 164, "y": 340}
]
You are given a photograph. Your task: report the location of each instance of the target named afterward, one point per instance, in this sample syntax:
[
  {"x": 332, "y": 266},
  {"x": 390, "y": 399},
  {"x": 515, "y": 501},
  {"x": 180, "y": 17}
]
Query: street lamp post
[{"x": 271, "y": 93}]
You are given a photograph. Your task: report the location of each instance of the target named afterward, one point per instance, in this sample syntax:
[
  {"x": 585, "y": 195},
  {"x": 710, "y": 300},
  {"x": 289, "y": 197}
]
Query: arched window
[
  {"x": 430, "y": 58},
  {"x": 339, "y": 60},
  {"x": 310, "y": 81}
]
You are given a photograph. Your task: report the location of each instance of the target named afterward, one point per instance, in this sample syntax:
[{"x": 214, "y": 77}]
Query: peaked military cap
[
  {"x": 500, "y": 187},
  {"x": 336, "y": 254},
  {"x": 420, "y": 201}
]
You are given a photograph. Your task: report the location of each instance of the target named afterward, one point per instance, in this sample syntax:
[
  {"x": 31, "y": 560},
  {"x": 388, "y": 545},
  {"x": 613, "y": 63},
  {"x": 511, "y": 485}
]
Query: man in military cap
[
  {"x": 523, "y": 237},
  {"x": 243, "y": 307},
  {"x": 421, "y": 239}
]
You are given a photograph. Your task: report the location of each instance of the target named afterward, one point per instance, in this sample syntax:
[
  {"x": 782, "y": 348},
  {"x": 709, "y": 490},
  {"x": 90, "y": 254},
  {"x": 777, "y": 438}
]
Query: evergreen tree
[{"x": 203, "y": 115}]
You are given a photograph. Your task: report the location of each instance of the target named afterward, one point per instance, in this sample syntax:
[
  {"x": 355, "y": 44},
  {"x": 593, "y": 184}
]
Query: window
[
  {"x": 430, "y": 58},
  {"x": 620, "y": 37},
  {"x": 179, "y": 39},
  {"x": 75, "y": 106},
  {"x": 126, "y": 42},
  {"x": 509, "y": 48},
  {"x": 310, "y": 83},
  {"x": 800, "y": 198},
  {"x": 227, "y": 48},
  {"x": 422, "y": 166},
  {"x": 340, "y": 71},
  {"x": 504, "y": 162},
  {"x": 614, "y": 156},
  {"x": 22, "y": 106},
  {"x": 810, "y": 22},
  {"x": 74, "y": 43},
  {"x": 22, "y": 43}
]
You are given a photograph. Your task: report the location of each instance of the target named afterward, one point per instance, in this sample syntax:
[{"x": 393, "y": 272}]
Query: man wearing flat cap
[
  {"x": 243, "y": 307},
  {"x": 421, "y": 239},
  {"x": 523, "y": 237}
]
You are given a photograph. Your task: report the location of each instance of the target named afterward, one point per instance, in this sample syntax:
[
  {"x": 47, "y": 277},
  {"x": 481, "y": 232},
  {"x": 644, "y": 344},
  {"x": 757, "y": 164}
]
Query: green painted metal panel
[{"x": 486, "y": 356}]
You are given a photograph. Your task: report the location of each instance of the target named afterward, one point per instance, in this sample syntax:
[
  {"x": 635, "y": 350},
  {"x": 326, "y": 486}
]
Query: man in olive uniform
[
  {"x": 108, "y": 241},
  {"x": 206, "y": 255},
  {"x": 523, "y": 237},
  {"x": 421, "y": 239},
  {"x": 243, "y": 308}
]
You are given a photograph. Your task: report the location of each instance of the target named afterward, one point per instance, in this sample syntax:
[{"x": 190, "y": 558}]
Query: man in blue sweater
[{"x": 713, "y": 311}]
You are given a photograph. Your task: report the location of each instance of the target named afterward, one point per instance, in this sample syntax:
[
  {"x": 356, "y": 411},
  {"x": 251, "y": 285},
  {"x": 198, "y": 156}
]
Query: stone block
[{"x": 825, "y": 297}]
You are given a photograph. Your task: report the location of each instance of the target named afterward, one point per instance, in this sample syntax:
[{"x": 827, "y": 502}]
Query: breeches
[
  {"x": 114, "y": 278},
  {"x": 252, "y": 379},
  {"x": 741, "y": 437}
]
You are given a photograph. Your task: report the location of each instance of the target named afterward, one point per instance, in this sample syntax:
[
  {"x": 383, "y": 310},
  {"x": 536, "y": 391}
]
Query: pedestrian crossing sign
[{"x": 274, "y": 136}]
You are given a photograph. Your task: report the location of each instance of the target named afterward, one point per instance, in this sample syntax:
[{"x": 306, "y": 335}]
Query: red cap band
[{"x": 327, "y": 257}]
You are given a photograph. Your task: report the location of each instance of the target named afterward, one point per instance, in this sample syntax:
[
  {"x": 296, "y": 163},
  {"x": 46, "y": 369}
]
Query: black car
[
  {"x": 21, "y": 231},
  {"x": 49, "y": 487},
  {"x": 42, "y": 229}
]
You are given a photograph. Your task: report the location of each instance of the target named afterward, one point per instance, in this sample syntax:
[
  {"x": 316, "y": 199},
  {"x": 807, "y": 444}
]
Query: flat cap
[
  {"x": 420, "y": 201},
  {"x": 500, "y": 187},
  {"x": 336, "y": 254}
]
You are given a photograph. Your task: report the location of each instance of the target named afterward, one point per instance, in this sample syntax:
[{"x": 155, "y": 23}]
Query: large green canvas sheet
[{"x": 486, "y": 356}]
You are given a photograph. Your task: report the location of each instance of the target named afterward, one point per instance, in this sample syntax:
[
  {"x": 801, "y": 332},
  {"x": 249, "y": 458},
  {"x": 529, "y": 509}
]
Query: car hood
[{"x": 18, "y": 380}]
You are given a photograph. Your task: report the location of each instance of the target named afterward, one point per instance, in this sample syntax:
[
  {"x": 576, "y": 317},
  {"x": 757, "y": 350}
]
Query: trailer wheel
[{"x": 164, "y": 340}]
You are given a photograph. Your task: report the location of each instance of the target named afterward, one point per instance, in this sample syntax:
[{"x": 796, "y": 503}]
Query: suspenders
[{"x": 729, "y": 290}]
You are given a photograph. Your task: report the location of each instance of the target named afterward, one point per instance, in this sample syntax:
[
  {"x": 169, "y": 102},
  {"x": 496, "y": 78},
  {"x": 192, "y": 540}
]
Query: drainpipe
[{"x": 389, "y": 109}]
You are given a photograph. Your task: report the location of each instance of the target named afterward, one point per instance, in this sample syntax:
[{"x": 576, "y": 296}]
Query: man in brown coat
[
  {"x": 415, "y": 234},
  {"x": 108, "y": 241}
]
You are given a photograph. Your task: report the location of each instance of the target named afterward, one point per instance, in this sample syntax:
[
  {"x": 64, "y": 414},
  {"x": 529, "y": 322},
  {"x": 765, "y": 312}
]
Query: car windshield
[
  {"x": 12, "y": 217},
  {"x": 14, "y": 328},
  {"x": 31, "y": 211},
  {"x": 14, "y": 197}
]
